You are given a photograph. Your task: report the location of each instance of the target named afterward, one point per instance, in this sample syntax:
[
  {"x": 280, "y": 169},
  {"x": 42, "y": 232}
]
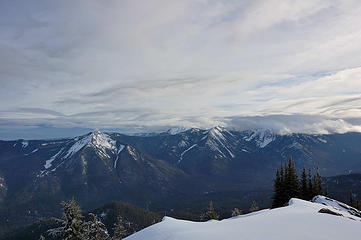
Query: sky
[{"x": 68, "y": 67}]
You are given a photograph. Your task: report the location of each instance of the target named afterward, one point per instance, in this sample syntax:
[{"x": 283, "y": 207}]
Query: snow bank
[
  {"x": 300, "y": 220},
  {"x": 338, "y": 207}
]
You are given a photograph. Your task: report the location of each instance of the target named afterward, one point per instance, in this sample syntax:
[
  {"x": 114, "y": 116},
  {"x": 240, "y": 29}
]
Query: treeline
[
  {"x": 211, "y": 214},
  {"x": 75, "y": 228},
  {"x": 287, "y": 184}
]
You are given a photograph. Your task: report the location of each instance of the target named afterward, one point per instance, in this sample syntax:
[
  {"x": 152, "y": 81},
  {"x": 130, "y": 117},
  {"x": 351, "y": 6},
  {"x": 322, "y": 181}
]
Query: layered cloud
[{"x": 147, "y": 65}]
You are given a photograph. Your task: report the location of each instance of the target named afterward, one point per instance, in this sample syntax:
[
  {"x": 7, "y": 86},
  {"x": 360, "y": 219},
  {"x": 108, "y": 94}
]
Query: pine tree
[
  {"x": 310, "y": 185},
  {"x": 317, "y": 184},
  {"x": 210, "y": 214},
  {"x": 291, "y": 180},
  {"x": 236, "y": 212},
  {"x": 254, "y": 207},
  {"x": 42, "y": 237},
  {"x": 283, "y": 196},
  {"x": 73, "y": 228},
  {"x": 304, "y": 188},
  {"x": 287, "y": 185},
  {"x": 277, "y": 198},
  {"x": 119, "y": 229},
  {"x": 95, "y": 229}
]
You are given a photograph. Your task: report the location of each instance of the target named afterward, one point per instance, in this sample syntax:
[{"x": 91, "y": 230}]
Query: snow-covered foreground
[{"x": 300, "y": 220}]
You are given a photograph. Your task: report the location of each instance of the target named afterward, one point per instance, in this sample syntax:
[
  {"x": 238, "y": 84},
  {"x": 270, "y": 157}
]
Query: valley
[{"x": 173, "y": 172}]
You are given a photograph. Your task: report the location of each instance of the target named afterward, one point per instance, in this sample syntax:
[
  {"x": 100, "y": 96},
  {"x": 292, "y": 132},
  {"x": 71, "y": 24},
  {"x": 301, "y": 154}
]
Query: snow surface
[
  {"x": 339, "y": 207},
  {"x": 48, "y": 163},
  {"x": 263, "y": 137},
  {"x": 176, "y": 130},
  {"x": 296, "y": 145},
  {"x": 182, "y": 143},
  {"x": 100, "y": 141},
  {"x": 79, "y": 144},
  {"x": 298, "y": 221},
  {"x": 185, "y": 151},
  {"x": 25, "y": 144},
  {"x": 34, "y": 151},
  {"x": 121, "y": 147},
  {"x": 132, "y": 151},
  {"x": 217, "y": 139},
  {"x": 322, "y": 140}
]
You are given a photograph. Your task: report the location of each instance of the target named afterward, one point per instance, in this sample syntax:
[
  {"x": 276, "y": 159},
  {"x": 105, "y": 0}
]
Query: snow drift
[{"x": 299, "y": 220}]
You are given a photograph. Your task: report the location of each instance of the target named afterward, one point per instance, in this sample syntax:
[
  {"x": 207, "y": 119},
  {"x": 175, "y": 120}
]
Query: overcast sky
[{"x": 72, "y": 66}]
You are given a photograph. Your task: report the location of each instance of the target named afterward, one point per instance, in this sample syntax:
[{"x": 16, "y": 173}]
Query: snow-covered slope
[
  {"x": 339, "y": 207},
  {"x": 176, "y": 130},
  {"x": 220, "y": 140},
  {"x": 300, "y": 220},
  {"x": 101, "y": 142},
  {"x": 262, "y": 137}
]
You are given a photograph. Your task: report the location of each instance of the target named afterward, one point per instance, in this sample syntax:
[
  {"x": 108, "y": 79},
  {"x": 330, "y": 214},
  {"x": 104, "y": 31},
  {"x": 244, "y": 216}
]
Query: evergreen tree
[
  {"x": 95, "y": 229},
  {"x": 283, "y": 196},
  {"x": 236, "y": 212},
  {"x": 254, "y": 207},
  {"x": 210, "y": 214},
  {"x": 310, "y": 185},
  {"x": 277, "y": 198},
  {"x": 291, "y": 181},
  {"x": 42, "y": 237},
  {"x": 73, "y": 228},
  {"x": 119, "y": 229},
  {"x": 317, "y": 184},
  {"x": 287, "y": 185},
  {"x": 304, "y": 188}
]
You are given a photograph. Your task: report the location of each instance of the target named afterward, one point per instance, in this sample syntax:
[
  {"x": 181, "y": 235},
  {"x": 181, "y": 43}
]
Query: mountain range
[{"x": 99, "y": 167}]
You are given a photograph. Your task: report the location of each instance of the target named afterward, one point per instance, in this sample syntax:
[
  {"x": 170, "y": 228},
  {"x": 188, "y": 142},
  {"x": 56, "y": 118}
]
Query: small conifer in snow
[
  {"x": 73, "y": 228},
  {"x": 254, "y": 207},
  {"x": 119, "y": 229},
  {"x": 95, "y": 229},
  {"x": 210, "y": 214},
  {"x": 236, "y": 212}
]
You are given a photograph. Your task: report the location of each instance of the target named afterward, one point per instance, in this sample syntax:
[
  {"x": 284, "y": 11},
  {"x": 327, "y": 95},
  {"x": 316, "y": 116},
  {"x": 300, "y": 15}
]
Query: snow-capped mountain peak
[
  {"x": 217, "y": 140},
  {"x": 98, "y": 140},
  {"x": 176, "y": 130},
  {"x": 101, "y": 142},
  {"x": 261, "y": 136},
  {"x": 216, "y": 133}
]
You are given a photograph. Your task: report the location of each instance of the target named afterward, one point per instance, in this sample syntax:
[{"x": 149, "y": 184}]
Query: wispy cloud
[
  {"x": 295, "y": 123},
  {"x": 148, "y": 65}
]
